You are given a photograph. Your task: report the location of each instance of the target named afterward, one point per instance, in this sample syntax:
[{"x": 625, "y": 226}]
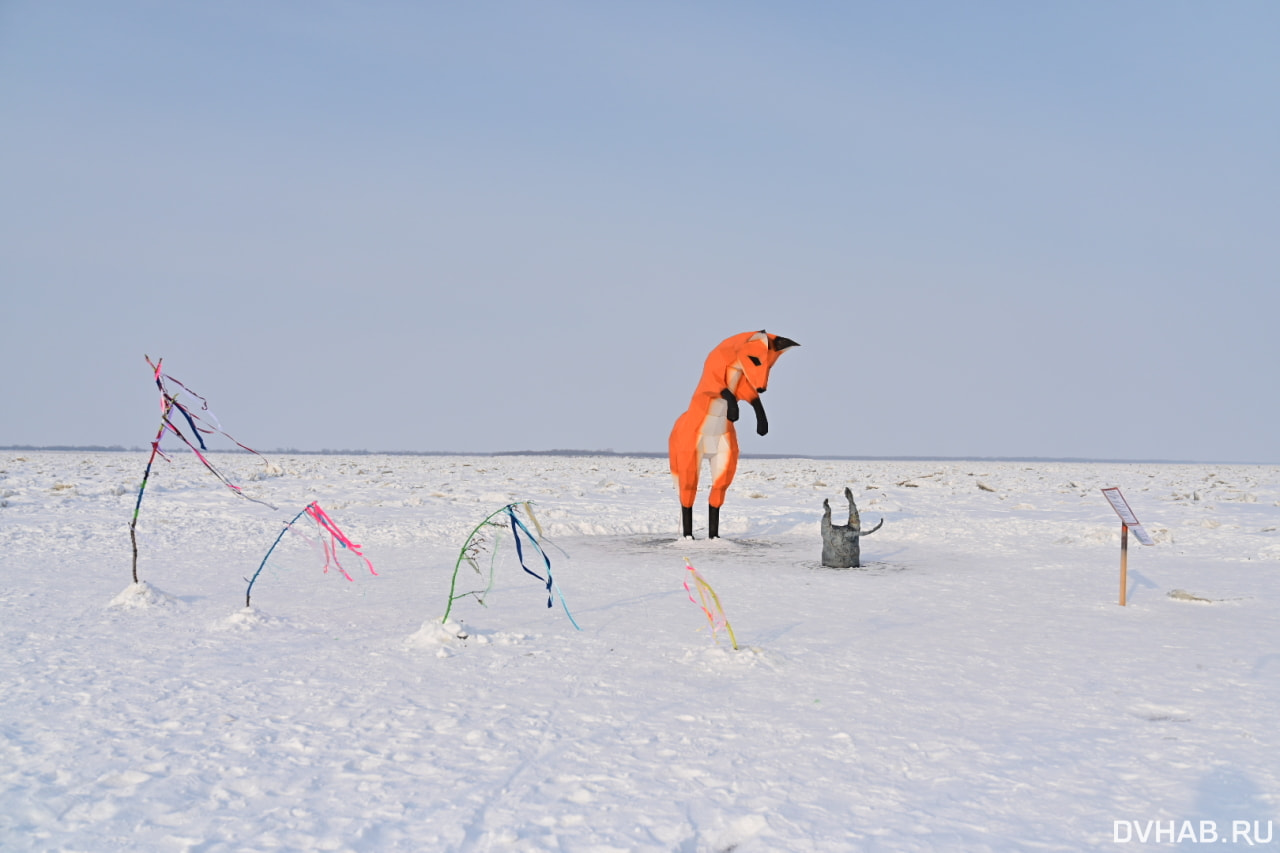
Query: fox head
[{"x": 751, "y": 356}]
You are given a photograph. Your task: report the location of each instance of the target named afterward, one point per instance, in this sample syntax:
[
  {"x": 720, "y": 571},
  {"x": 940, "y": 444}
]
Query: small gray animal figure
[{"x": 840, "y": 548}]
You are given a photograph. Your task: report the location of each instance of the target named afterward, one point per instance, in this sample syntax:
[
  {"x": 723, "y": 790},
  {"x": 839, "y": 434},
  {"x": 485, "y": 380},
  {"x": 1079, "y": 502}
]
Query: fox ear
[
  {"x": 779, "y": 343},
  {"x": 759, "y": 336}
]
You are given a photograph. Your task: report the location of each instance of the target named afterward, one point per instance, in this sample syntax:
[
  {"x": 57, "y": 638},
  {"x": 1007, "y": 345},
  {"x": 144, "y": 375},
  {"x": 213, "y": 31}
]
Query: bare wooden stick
[{"x": 1124, "y": 563}]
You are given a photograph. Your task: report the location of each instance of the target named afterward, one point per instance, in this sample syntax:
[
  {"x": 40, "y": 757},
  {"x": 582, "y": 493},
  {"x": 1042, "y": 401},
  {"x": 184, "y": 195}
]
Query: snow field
[{"x": 974, "y": 687}]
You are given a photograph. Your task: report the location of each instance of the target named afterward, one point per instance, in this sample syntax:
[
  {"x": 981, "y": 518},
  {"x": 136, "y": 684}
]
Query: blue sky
[{"x": 996, "y": 229}]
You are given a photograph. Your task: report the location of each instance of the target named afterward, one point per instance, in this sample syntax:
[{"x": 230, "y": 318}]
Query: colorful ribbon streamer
[
  {"x": 706, "y": 598},
  {"x": 336, "y": 538},
  {"x": 470, "y": 552},
  {"x": 518, "y": 525},
  {"x": 168, "y": 402},
  {"x": 474, "y": 544}
]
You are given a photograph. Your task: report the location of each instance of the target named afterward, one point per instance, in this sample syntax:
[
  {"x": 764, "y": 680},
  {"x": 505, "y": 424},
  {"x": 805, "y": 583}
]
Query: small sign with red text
[{"x": 1121, "y": 506}]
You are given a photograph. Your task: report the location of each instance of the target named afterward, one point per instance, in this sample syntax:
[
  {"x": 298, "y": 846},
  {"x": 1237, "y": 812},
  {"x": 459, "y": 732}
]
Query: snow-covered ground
[{"x": 974, "y": 687}]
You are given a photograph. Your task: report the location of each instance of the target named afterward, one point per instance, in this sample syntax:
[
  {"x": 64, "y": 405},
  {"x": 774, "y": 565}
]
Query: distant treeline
[
  {"x": 96, "y": 448},
  {"x": 293, "y": 451}
]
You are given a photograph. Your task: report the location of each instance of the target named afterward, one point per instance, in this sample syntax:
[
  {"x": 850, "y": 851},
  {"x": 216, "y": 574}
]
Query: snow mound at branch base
[{"x": 140, "y": 596}]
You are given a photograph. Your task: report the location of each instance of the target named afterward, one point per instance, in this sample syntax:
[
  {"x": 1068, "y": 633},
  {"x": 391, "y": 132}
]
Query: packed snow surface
[{"x": 975, "y": 686}]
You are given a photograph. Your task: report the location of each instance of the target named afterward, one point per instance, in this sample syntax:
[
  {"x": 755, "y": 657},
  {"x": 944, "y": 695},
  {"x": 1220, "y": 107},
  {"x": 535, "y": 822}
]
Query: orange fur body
[{"x": 736, "y": 371}]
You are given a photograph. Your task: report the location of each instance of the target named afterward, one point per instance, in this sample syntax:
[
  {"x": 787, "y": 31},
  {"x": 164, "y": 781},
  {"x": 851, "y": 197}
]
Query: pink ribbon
[{"x": 336, "y": 538}]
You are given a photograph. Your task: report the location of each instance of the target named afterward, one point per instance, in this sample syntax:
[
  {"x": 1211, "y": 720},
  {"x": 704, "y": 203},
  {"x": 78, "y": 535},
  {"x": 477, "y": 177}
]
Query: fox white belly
[{"x": 713, "y": 437}]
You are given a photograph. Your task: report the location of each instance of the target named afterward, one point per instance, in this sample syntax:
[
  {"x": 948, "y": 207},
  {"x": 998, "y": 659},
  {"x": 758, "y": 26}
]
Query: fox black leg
[
  {"x": 731, "y": 411},
  {"x": 762, "y": 422}
]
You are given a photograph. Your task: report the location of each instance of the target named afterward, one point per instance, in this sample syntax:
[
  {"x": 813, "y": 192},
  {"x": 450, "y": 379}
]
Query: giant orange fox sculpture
[{"x": 735, "y": 371}]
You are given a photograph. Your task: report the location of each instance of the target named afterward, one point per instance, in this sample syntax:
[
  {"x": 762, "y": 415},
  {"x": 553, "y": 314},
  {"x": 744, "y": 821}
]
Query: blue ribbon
[
  {"x": 288, "y": 524},
  {"x": 516, "y": 526},
  {"x": 191, "y": 423}
]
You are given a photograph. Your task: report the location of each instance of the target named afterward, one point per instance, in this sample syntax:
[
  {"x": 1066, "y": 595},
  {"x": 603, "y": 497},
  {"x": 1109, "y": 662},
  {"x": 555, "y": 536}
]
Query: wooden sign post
[{"x": 1128, "y": 521}]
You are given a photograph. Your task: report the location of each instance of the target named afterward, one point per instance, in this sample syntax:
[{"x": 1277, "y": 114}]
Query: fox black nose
[{"x": 759, "y": 390}]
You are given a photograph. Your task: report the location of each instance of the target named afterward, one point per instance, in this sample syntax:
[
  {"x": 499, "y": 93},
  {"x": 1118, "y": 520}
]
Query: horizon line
[{"x": 290, "y": 451}]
